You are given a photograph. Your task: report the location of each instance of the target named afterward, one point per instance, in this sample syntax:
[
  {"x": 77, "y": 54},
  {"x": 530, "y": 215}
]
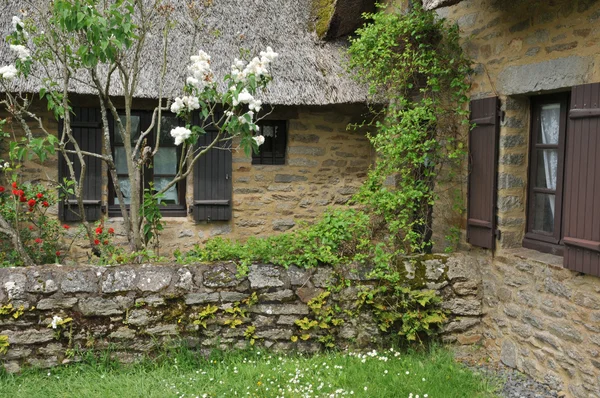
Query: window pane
[
  {"x": 120, "y": 160},
  {"x": 547, "y": 168},
  {"x": 550, "y": 124},
  {"x": 543, "y": 212},
  {"x": 125, "y": 189},
  {"x": 167, "y": 123},
  {"x": 171, "y": 197},
  {"x": 135, "y": 129},
  {"x": 165, "y": 161}
]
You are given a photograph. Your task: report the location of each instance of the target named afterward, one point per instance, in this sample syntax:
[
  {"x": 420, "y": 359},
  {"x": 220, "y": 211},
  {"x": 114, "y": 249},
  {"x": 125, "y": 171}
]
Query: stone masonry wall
[
  {"x": 542, "y": 319},
  {"x": 325, "y": 165},
  {"x": 134, "y": 309},
  {"x": 523, "y": 48}
]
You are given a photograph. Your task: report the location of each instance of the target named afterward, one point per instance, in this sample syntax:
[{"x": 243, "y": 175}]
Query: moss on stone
[{"x": 322, "y": 11}]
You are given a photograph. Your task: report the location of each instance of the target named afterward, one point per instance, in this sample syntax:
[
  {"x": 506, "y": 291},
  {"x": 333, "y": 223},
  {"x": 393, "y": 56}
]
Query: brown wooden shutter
[
  {"x": 86, "y": 126},
  {"x": 212, "y": 182},
  {"x": 581, "y": 209},
  {"x": 483, "y": 175}
]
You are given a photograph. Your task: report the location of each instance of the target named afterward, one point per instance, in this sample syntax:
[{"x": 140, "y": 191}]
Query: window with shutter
[
  {"x": 483, "y": 175},
  {"x": 582, "y": 182},
  {"x": 273, "y": 149},
  {"x": 86, "y": 126}
]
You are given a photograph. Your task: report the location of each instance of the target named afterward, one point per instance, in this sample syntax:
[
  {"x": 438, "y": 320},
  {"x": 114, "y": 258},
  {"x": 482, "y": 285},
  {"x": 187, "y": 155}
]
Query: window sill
[{"x": 523, "y": 253}]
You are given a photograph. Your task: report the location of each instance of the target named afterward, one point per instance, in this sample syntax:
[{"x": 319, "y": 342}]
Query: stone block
[
  {"x": 201, "y": 298},
  {"x": 119, "y": 281},
  {"x": 264, "y": 275},
  {"x": 565, "y": 332},
  {"x": 511, "y": 141},
  {"x": 153, "y": 281},
  {"x": 461, "y": 324},
  {"x": 507, "y": 181},
  {"x": 283, "y": 224},
  {"x": 97, "y": 306},
  {"x": 41, "y": 283},
  {"x": 508, "y": 354},
  {"x": 275, "y": 334},
  {"x": 285, "y": 178},
  {"x": 123, "y": 333},
  {"x": 229, "y": 297},
  {"x": 80, "y": 281},
  {"x": 56, "y": 303},
  {"x": 163, "y": 330},
  {"x": 509, "y": 202},
  {"x": 324, "y": 277},
  {"x": 302, "y": 162},
  {"x": 460, "y": 306},
  {"x": 184, "y": 279},
  {"x": 546, "y": 75},
  {"x": 306, "y": 150},
  {"x": 279, "y": 296},
  {"x": 220, "y": 276},
  {"x": 15, "y": 286},
  {"x": 280, "y": 309},
  {"x": 141, "y": 317},
  {"x": 29, "y": 336}
]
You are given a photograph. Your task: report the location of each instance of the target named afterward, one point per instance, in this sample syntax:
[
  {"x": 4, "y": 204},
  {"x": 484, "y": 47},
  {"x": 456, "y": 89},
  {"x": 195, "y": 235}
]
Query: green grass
[{"x": 183, "y": 373}]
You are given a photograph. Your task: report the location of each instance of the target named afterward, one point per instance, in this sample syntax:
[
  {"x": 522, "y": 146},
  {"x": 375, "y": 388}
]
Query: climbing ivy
[{"x": 411, "y": 62}]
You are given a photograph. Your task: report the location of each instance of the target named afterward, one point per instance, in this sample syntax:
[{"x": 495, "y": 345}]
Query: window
[
  {"x": 273, "y": 149},
  {"x": 546, "y": 173},
  {"x": 160, "y": 172}
]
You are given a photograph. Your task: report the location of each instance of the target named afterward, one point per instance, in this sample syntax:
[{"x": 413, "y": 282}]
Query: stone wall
[
  {"x": 519, "y": 49},
  {"x": 325, "y": 164},
  {"x": 134, "y": 309},
  {"x": 542, "y": 319}
]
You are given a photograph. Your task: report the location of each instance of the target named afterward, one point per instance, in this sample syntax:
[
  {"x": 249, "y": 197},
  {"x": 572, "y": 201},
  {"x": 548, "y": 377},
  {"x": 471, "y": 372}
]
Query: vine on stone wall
[{"x": 413, "y": 63}]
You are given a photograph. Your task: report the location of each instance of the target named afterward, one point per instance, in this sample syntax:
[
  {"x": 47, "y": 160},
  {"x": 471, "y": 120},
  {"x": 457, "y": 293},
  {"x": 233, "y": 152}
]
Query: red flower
[
  {"x": 111, "y": 230},
  {"x": 14, "y": 185},
  {"x": 57, "y": 254},
  {"x": 31, "y": 202},
  {"x": 96, "y": 242},
  {"x": 105, "y": 242},
  {"x": 66, "y": 226},
  {"x": 40, "y": 195},
  {"x": 31, "y": 209},
  {"x": 45, "y": 204},
  {"x": 1, "y": 189},
  {"x": 31, "y": 227},
  {"x": 22, "y": 198},
  {"x": 38, "y": 240},
  {"x": 98, "y": 230}
]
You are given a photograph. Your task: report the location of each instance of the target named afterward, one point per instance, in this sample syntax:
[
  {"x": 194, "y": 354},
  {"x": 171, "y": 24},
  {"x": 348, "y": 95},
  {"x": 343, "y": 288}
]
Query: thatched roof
[{"x": 309, "y": 71}]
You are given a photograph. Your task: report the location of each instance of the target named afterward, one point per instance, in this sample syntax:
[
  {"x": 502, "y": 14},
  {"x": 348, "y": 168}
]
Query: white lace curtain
[{"x": 550, "y": 121}]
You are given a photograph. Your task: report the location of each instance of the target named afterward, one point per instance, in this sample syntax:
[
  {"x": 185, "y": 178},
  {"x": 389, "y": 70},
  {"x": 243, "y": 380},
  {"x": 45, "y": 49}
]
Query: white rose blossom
[
  {"x": 244, "y": 97},
  {"x": 255, "y": 105},
  {"x": 185, "y": 103},
  {"x": 22, "y": 52},
  {"x": 180, "y": 134},
  {"x": 243, "y": 120},
  {"x": 8, "y": 72},
  {"x": 259, "y": 140},
  {"x": 55, "y": 321}
]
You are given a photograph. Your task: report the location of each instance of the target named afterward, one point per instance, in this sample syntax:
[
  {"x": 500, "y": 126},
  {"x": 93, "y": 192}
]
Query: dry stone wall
[{"x": 133, "y": 309}]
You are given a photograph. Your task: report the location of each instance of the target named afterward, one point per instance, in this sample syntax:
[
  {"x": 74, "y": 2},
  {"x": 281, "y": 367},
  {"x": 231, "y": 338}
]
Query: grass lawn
[{"x": 255, "y": 373}]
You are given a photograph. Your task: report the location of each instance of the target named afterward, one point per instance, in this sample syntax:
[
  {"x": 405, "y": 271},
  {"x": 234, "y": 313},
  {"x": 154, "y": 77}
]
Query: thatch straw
[{"x": 308, "y": 71}]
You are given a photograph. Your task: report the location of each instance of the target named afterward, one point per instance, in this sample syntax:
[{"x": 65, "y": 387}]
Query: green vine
[{"x": 414, "y": 64}]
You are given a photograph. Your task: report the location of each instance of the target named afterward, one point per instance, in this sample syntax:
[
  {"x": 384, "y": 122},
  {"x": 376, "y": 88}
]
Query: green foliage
[
  {"x": 150, "y": 212},
  {"x": 207, "y": 313},
  {"x": 323, "y": 321},
  {"x": 413, "y": 62},
  {"x": 4, "y": 344},
  {"x": 414, "y": 314},
  {"x": 336, "y": 237}
]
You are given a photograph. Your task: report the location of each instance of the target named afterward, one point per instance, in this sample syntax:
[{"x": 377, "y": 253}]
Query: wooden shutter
[
  {"x": 483, "y": 175},
  {"x": 212, "y": 182},
  {"x": 86, "y": 126},
  {"x": 581, "y": 209}
]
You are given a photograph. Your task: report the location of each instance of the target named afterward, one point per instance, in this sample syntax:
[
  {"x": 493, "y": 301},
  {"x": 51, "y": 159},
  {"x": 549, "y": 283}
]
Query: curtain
[{"x": 550, "y": 122}]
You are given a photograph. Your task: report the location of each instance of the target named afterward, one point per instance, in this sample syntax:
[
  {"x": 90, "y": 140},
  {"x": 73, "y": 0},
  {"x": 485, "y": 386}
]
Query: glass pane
[
  {"x": 120, "y": 160},
  {"x": 547, "y": 168},
  {"x": 167, "y": 123},
  {"x": 165, "y": 161},
  {"x": 135, "y": 129},
  {"x": 125, "y": 189},
  {"x": 171, "y": 197},
  {"x": 268, "y": 131},
  {"x": 549, "y": 124},
  {"x": 543, "y": 212}
]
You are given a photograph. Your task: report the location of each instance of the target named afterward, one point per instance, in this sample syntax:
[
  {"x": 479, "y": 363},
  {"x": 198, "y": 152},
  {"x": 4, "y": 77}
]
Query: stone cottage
[
  {"x": 533, "y": 203},
  {"x": 310, "y": 160}
]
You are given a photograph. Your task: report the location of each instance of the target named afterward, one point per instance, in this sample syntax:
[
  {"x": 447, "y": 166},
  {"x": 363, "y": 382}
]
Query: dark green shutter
[
  {"x": 86, "y": 126},
  {"x": 212, "y": 181}
]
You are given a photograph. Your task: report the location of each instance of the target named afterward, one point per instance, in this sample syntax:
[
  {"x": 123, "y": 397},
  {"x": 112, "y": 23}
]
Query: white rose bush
[{"x": 97, "y": 43}]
